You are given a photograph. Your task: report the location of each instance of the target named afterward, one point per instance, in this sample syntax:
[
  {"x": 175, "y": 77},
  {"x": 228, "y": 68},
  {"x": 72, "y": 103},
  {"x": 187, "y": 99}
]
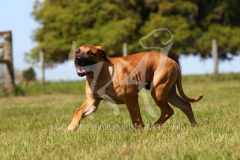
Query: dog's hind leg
[
  {"x": 162, "y": 83},
  {"x": 185, "y": 106},
  {"x": 166, "y": 110}
]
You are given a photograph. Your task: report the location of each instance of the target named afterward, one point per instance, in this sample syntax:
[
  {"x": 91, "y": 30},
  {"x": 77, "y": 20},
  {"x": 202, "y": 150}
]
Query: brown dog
[{"x": 118, "y": 80}]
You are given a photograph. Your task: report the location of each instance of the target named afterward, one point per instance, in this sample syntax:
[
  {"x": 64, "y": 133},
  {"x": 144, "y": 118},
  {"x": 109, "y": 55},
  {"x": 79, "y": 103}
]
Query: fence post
[
  {"x": 9, "y": 71},
  {"x": 41, "y": 61},
  {"x": 215, "y": 56},
  {"x": 125, "y": 49}
]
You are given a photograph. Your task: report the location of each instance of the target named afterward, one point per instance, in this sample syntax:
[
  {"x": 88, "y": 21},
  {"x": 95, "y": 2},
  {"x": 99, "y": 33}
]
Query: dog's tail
[{"x": 180, "y": 89}]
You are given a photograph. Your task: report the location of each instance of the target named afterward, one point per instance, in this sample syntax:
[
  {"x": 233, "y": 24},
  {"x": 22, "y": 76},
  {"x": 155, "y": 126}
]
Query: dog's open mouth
[
  {"x": 85, "y": 70},
  {"x": 82, "y": 70}
]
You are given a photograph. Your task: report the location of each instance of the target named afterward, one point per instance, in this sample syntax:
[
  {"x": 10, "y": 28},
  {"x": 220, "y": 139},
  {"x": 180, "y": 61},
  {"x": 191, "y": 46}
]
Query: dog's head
[{"x": 86, "y": 57}]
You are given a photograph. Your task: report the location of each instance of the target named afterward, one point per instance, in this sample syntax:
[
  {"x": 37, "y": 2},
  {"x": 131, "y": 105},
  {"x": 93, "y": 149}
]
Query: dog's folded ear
[
  {"x": 99, "y": 47},
  {"x": 102, "y": 52}
]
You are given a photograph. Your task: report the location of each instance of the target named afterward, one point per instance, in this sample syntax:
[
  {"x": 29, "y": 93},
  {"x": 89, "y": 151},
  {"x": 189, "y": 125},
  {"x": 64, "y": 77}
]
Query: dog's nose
[{"x": 79, "y": 59}]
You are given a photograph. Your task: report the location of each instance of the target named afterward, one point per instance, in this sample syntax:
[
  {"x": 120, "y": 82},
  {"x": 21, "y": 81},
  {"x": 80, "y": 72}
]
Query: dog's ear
[
  {"x": 99, "y": 47},
  {"x": 102, "y": 53}
]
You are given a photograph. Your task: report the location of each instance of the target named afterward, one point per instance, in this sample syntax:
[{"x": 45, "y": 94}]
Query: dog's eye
[
  {"x": 78, "y": 51},
  {"x": 90, "y": 52}
]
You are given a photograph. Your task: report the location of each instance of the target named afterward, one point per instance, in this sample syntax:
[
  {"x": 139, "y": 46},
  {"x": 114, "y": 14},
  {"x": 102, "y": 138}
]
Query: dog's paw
[
  {"x": 71, "y": 128},
  {"x": 68, "y": 132}
]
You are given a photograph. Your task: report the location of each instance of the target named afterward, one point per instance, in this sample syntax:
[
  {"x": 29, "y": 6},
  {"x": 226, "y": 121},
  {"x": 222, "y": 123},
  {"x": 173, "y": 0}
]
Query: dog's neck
[{"x": 104, "y": 76}]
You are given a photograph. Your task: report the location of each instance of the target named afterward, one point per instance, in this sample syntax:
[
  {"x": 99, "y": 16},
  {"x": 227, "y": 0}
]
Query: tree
[
  {"x": 108, "y": 23},
  {"x": 111, "y": 23},
  {"x": 218, "y": 20},
  {"x": 195, "y": 23},
  {"x": 177, "y": 17},
  {"x": 29, "y": 75}
]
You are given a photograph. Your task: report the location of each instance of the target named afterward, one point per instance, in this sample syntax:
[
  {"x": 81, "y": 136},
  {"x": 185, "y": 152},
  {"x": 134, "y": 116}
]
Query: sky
[{"x": 16, "y": 16}]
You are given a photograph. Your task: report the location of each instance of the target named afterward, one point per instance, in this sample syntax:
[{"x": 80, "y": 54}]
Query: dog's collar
[{"x": 99, "y": 84}]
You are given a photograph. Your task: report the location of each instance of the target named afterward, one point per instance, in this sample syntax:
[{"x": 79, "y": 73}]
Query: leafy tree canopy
[
  {"x": 109, "y": 23},
  {"x": 219, "y": 20},
  {"x": 29, "y": 75}
]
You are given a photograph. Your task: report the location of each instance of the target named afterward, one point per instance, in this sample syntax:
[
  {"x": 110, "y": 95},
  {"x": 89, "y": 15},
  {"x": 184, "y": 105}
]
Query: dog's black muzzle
[{"x": 83, "y": 61}]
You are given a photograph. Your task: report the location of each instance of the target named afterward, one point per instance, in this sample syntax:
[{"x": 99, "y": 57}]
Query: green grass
[
  {"x": 34, "y": 88},
  {"x": 33, "y": 126}
]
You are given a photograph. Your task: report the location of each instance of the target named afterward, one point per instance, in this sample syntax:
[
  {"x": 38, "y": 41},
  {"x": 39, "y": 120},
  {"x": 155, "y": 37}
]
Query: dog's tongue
[{"x": 81, "y": 71}]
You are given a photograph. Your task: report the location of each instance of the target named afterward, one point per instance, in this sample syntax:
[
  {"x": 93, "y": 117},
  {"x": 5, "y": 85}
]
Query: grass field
[{"x": 33, "y": 126}]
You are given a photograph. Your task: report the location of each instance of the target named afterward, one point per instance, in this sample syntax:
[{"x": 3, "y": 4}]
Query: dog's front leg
[
  {"x": 133, "y": 109},
  {"x": 87, "y": 108}
]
